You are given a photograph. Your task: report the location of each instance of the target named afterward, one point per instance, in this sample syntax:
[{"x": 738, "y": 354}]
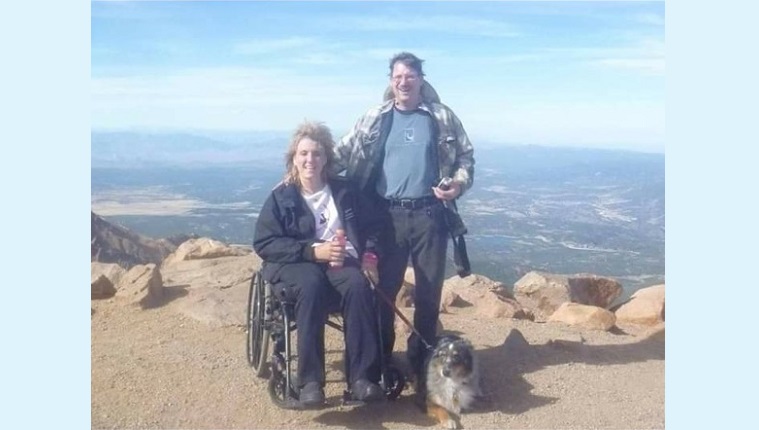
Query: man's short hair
[{"x": 409, "y": 60}]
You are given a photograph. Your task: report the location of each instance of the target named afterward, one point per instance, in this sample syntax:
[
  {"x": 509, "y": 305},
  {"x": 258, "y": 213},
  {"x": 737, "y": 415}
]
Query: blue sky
[{"x": 586, "y": 74}]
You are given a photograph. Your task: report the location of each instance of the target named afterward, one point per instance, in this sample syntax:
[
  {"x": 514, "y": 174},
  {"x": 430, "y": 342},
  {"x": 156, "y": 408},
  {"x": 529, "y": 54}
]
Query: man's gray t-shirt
[{"x": 409, "y": 170}]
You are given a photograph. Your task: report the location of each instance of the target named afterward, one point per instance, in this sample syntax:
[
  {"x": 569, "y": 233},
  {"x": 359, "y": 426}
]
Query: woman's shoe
[{"x": 312, "y": 394}]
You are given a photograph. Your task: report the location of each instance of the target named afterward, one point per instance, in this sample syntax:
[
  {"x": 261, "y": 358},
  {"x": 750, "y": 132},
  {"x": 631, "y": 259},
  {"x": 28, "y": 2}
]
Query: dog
[{"x": 452, "y": 380}]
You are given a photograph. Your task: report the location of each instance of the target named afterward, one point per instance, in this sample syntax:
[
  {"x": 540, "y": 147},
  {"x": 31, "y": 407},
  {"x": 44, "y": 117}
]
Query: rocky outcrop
[
  {"x": 218, "y": 272},
  {"x": 213, "y": 280},
  {"x": 204, "y": 248},
  {"x": 104, "y": 277},
  {"x": 495, "y": 306},
  {"x": 583, "y": 316},
  {"x": 472, "y": 288},
  {"x": 111, "y": 243},
  {"x": 645, "y": 307},
  {"x": 102, "y": 288},
  {"x": 543, "y": 293},
  {"x": 142, "y": 285},
  {"x": 490, "y": 298}
]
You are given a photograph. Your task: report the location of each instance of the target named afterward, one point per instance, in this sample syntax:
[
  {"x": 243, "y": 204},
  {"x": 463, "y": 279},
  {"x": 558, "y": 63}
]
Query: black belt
[{"x": 419, "y": 203}]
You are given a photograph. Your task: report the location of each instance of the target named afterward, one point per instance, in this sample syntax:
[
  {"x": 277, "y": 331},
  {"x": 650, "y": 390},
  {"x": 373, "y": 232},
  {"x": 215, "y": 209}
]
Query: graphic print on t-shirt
[
  {"x": 408, "y": 135},
  {"x": 322, "y": 206}
]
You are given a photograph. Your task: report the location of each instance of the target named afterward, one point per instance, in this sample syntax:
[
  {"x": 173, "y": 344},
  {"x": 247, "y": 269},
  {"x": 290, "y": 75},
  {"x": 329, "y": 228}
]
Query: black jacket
[{"x": 285, "y": 230}]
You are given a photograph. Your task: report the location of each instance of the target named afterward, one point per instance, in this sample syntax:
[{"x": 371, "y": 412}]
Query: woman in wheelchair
[{"x": 297, "y": 237}]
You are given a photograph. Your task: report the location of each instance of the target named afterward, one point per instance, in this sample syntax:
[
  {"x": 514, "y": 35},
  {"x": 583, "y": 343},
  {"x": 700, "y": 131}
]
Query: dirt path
[{"x": 159, "y": 369}]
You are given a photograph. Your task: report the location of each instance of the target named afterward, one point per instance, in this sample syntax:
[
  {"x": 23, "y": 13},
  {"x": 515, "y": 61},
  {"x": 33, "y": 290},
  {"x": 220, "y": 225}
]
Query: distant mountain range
[{"x": 144, "y": 149}]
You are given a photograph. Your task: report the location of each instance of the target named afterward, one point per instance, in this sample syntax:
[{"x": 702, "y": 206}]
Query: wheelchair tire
[{"x": 257, "y": 344}]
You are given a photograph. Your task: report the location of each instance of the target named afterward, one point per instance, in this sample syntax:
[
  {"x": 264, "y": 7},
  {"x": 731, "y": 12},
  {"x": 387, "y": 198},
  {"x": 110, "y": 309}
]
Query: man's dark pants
[
  {"x": 315, "y": 290},
  {"x": 421, "y": 234}
]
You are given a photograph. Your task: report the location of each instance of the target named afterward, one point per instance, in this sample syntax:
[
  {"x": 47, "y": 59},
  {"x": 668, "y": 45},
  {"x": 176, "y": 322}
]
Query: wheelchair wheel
[
  {"x": 394, "y": 382},
  {"x": 283, "y": 396},
  {"x": 258, "y": 339}
]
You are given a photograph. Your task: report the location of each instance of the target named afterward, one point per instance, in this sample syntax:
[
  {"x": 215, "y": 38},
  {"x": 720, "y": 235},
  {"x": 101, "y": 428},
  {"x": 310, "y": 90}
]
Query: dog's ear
[
  {"x": 446, "y": 339},
  {"x": 468, "y": 344}
]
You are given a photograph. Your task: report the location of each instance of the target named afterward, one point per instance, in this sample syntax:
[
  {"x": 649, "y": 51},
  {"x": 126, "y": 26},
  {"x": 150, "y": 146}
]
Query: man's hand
[{"x": 453, "y": 191}]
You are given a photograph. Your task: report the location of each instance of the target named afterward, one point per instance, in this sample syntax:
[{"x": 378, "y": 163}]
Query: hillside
[{"x": 111, "y": 243}]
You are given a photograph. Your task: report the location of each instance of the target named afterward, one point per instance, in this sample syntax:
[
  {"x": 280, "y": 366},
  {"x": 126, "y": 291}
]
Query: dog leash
[{"x": 397, "y": 311}]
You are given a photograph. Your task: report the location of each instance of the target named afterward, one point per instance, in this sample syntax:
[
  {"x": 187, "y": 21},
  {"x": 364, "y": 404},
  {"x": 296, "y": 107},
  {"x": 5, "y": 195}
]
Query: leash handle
[{"x": 395, "y": 309}]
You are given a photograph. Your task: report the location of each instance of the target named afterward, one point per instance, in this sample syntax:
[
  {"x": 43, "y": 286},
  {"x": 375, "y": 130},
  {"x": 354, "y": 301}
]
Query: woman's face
[{"x": 309, "y": 160}]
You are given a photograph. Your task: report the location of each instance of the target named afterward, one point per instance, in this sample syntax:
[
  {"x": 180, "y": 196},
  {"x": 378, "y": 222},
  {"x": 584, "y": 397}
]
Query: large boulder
[
  {"x": 490, "y": 298},
  {"x": 112, "y": 271},
  {"x": 102, "y": 288},
  {"x": 220, "y": 273},
  {"x": 204, "y": 247},
  {"x": 215, "y": 289},
  {"x": 142, "y": 285},
  {"x": 543, "y": 293},
  {"x": 216, "y": 307},
  {"x": 450, "y": 299},
  {"x": 457, "y": 291},
  {"x": 493, "y": 305},
  {"x": 471, "y": 289},
  {"x": 583, "y": 316},
  {"x": 645, "y": 307},
  {"x": 104, "y": 277}
]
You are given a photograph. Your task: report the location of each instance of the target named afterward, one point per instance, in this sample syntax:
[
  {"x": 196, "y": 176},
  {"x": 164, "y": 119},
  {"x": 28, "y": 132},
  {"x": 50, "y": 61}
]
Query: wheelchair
[{"x": 270, "y": 321}]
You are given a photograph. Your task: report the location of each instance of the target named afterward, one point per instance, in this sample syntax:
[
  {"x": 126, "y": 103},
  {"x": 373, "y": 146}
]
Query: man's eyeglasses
[{"x": 409, "y": 78}]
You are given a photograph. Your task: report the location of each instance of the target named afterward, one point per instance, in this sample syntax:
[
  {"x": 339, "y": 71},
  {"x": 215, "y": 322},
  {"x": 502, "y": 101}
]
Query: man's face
[{"x": 407, "y": 85}]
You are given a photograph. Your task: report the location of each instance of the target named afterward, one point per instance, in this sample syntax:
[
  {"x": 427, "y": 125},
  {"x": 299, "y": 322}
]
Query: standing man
[{"x": 398, "y": 152}]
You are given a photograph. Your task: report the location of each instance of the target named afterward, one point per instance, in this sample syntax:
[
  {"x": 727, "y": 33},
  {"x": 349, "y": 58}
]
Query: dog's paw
[{"x": 452, "y": 424}]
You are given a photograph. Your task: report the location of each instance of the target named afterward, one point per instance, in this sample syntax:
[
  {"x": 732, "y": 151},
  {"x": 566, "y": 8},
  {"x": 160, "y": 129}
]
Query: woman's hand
[{"x": 331, "y": 251}]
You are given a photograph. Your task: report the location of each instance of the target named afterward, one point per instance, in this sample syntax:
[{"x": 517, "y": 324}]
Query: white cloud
[
  {"x": 649, "y": 66},
  {"x": 645, "y": 56},
  {"x": 227, "y": 98},
  {"x": 428, "y": 24},
  {"x": 650, "y": 19},
  {"x": 266, "y": 46}
]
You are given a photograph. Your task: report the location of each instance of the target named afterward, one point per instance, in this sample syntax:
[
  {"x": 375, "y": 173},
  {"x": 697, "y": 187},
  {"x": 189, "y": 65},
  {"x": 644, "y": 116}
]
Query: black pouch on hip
[
  {"x": 457, "y": 229},
  {"x": 453, "y": 220}
]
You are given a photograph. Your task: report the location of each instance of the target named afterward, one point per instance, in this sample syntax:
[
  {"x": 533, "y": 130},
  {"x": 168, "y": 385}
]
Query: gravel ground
[{"x": 157, "y": 368}]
